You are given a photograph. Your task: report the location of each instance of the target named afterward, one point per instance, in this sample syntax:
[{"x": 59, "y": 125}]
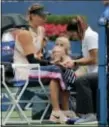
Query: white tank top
[{"x": 19, "y": 57}]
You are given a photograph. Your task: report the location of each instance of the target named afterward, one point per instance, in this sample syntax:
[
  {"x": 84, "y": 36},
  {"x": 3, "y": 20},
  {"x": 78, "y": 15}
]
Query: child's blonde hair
[{"x": 66, "y": 43}]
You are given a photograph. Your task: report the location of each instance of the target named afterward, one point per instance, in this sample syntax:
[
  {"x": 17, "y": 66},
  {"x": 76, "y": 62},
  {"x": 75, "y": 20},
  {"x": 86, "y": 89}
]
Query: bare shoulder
[
  {"x": 24, "y": 36},
  {"x": 23, "y": 33}
]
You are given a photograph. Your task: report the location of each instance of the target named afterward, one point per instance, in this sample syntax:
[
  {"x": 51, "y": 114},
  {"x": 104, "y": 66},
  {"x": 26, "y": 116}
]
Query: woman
[
  {"x": 28, "y": 50},
  {"x": 79, "y": 29}
]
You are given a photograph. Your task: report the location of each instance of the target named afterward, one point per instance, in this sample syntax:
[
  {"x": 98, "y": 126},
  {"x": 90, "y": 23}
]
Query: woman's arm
[
  {"x": 25, "y": 40},
  {"x": 91, "y": 60},
  {"x": 41, "y": 36},
  {"x": 92, "y": 45}
]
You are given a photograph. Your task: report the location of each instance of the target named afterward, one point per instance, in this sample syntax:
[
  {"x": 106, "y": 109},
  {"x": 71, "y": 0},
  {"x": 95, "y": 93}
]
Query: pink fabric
[{"x": 48, "y": 75}]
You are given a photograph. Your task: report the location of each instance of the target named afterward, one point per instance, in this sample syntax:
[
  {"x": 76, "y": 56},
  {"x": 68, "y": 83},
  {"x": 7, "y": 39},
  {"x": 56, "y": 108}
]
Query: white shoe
[
  {"x": 58, "y": 117},
  {"x": 88, "y": 118},
  {"x": 70, "y": 114}
]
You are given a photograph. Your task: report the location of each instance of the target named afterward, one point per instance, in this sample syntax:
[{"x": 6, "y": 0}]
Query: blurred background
[{"x": 90, "y": 9}]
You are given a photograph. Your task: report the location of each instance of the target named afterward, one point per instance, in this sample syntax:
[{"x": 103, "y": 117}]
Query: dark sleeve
[{"x": 32, "y": 59}]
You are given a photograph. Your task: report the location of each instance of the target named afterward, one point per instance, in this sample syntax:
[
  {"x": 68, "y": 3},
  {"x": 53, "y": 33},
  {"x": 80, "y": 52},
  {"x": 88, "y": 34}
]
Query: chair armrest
[{"x": 26, "y": 65}]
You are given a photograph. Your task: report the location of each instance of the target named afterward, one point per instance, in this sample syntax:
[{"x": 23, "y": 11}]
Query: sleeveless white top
[{"x": 22, "y": 73}]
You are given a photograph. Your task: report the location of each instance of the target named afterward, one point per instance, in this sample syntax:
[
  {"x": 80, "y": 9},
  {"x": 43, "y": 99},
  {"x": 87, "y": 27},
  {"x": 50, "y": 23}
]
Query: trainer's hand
[{"x": 68, "y": 64}]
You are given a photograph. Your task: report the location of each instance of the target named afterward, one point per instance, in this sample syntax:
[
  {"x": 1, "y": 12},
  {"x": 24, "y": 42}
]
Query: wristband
[{"x": 75, "y": 63}]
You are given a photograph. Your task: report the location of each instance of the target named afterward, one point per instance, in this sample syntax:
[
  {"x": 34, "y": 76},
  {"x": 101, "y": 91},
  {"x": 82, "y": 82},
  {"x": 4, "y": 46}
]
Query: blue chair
[{"x": 7, "y": 49}]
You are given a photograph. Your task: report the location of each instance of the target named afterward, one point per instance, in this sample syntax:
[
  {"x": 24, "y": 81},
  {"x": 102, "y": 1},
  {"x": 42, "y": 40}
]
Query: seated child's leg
[{"x": 64, "y": 97}]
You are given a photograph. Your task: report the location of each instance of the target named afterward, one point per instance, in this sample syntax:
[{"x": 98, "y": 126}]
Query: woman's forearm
[
  {"x": 32, "y": 59},
  {"x": 86, "y": 61}
]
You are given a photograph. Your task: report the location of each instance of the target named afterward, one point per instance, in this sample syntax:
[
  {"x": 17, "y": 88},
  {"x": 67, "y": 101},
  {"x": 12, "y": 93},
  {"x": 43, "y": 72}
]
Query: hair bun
[{"x": 35, "y": 7}]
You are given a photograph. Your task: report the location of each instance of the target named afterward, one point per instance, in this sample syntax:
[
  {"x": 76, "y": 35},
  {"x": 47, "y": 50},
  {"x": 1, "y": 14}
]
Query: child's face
[
  {"x": 57, "y": 53},
  {"x": 60, "y": 44},
  {"x": 59, "y": 50}
]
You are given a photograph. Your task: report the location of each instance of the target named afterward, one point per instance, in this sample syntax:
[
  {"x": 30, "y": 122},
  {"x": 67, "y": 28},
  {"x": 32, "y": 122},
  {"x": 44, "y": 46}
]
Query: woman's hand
[
  {"x": 56, "y": 61},
  {"x": 39, "y": 55},
  {"x": 68, "y": 64},
  {"x": 41, "y": 31}
]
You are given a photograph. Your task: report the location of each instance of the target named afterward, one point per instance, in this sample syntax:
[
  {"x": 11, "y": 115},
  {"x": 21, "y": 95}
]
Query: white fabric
[
  {"x": 19, "y": 57},
  {"x": 7, "y": 37},
  {"x": 90, "y": 42}
]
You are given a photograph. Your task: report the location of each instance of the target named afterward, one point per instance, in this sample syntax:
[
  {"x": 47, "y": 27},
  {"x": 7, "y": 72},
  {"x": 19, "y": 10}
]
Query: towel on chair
[{"x": 65, "y": 76}]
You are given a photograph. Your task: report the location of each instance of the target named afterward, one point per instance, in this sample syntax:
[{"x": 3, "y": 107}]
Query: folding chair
[
  {"x": 15, "y": 100},
  {"x": 11, "y": 21}
]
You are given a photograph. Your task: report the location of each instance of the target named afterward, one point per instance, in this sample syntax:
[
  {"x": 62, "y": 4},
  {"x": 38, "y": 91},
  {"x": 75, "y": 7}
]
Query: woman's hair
[
  {"x": 106, "y": 2},
  {"x": 65, "y": 41},
  {"x": 34, "y": 8},
  {"x": 78, "y": 25}
]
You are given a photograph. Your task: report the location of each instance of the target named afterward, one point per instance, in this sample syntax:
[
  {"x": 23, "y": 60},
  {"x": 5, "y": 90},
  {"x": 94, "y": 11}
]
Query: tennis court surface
[{"x": 45, "y": 123}]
